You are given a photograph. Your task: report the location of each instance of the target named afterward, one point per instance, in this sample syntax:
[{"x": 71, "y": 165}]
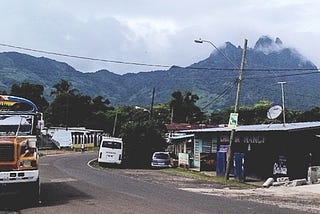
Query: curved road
[{"x": 68, "y": 185}]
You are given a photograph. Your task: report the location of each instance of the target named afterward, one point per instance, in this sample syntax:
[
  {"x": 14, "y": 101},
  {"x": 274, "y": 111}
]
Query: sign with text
[
  {"x": 254, "y": 139},
  {"x": 183, "y": 159},
  {"x": 233, "y": 120}
]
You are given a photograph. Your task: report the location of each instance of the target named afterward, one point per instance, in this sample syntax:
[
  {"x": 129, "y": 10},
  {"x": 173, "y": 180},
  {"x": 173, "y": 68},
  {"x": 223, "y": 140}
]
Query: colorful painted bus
[{"x": 20, "y": 125}]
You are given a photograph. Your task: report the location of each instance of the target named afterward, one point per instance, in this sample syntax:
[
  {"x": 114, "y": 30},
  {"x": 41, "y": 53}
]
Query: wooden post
[{"x": 236, "y": 108}]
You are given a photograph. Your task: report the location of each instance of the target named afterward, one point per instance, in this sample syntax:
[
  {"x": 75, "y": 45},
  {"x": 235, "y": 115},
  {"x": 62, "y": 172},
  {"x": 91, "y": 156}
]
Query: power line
[
  {"x": 223, "y": 93},
  {"x": 154, "y": 65},
  {"x": 253, "y": 69},
  {"x": 283, "y": 75},
  {"x": 312, "y": 70},
  {"x": 85, "y": 58}
]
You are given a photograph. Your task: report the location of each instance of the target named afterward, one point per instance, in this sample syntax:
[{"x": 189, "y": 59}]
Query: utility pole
[
  {"x": 152, "y": 102},
  {"x": 236, "y": 108},
  {"x": 282, "y": 96},
  {"x": 115, "y": 124}
]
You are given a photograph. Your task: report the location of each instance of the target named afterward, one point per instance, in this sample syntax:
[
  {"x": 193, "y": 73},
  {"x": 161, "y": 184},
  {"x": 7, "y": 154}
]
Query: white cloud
[{"x": 154, "y": 32}]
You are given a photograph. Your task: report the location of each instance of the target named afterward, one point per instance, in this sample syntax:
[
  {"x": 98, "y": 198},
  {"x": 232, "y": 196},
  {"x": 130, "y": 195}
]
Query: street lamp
[
  {"x": 200, "y": 41},
  {"x": 143, "y": 109}
]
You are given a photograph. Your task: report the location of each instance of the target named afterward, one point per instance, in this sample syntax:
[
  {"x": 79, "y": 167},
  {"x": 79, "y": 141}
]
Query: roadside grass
[
  {"x": 231, "y": 183},
  {"x": 202, "y": 176},
  {"x": 45, "y": 152}
]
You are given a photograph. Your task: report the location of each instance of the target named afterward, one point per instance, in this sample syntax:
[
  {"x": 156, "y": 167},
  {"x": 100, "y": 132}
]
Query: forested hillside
[{"x": 213, "y": 79}]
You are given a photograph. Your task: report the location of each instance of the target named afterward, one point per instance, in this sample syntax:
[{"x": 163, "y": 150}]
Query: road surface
[{"x": 69, "y": 185}]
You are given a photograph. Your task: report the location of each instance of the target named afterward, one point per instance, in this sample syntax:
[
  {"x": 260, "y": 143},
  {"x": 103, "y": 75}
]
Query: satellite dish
[{"x": 274, "y": 112}]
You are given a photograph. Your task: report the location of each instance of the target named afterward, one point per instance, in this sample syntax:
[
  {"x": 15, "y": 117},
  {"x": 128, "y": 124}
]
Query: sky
[{"x": 157, "y": 32}]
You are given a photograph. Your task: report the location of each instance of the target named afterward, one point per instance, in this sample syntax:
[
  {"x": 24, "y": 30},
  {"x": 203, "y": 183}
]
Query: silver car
[{"x": 161, "y": 160}]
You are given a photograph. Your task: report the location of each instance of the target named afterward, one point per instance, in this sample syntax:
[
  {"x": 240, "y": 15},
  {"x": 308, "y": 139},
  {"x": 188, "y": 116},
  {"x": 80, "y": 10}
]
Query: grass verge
[{"x": 205, "y": 177}]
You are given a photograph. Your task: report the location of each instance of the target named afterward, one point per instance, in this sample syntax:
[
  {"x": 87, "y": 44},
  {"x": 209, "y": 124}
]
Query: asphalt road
[{"x": 68, "y": 185}]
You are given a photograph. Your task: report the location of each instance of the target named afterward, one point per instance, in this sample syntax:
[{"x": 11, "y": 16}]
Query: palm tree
[{"x": 63, "y": 87}]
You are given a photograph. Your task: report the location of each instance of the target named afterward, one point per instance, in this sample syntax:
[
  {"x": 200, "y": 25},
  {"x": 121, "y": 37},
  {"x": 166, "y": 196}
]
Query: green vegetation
[
  {"x": 184, "y": 109},
  {"x": 210, "y": 79},
  {"x": 141, "y": 131},
  {"x": 206, "y": 177},
  {"x": 70, "y": 108}
]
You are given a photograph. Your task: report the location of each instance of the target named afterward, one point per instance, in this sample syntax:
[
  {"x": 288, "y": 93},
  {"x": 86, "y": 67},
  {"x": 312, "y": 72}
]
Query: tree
[
  {"x": 33, "y": 92},
  {"x": 63, "y": 87},
  {"x": 99, "y": 104},
  {"x": 184, "y": 108},
  {"x": 311, "y": 115},
  {"x": 141, "y": 140},
  {"x": 70, "y": 108},
  {"x": 257, "y": 114},
  {"x": 102, "y": 115}
]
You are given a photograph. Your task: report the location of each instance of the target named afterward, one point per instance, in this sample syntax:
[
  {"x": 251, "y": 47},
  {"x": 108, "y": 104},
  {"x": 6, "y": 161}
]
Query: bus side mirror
[{"x": 40, "y": 125}]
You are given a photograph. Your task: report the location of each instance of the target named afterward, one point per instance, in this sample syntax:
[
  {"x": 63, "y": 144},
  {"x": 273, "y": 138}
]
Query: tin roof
[
  {"x": 187, "y": 126},
  {"x": 184, "y": 136},
  {"x": 261, "y": 127}
]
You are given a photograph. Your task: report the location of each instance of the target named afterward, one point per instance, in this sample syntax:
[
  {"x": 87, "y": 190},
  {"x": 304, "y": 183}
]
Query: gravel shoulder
[{"x": 285, "y": 197}]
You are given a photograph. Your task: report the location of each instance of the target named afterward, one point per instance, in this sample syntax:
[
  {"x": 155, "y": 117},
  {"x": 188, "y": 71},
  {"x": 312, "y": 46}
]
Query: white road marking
[
  {"x": 62, "y": 180},
  {"x": 89, "y": 162}
]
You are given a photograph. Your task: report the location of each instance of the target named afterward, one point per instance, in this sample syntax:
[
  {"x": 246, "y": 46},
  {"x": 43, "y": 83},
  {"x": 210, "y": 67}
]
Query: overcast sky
[{"x": 154, "y": 31}]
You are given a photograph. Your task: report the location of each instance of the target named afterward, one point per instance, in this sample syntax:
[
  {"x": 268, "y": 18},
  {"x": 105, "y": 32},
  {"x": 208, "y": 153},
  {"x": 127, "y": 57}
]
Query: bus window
[{"x": 111, "y": 145}]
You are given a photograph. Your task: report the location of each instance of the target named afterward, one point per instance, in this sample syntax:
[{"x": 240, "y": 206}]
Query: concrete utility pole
[
  {"x": 152, "y": 103},
  {"x": 282, "y": 97},
  {"x": 115, "y": 124},
  {"x": 236, "y": 108}
]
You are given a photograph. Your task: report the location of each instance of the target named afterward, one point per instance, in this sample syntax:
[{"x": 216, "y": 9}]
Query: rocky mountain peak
[
  {"x": 278, "y": 41},
  {"x": 267, "y": 45}
]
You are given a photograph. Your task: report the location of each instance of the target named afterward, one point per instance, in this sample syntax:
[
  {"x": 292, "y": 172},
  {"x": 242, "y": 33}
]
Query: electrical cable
[
  {"x": 152, "y": 65},
  {"x": 85, "y": 58},
  {"x": 226, "y": 90}
]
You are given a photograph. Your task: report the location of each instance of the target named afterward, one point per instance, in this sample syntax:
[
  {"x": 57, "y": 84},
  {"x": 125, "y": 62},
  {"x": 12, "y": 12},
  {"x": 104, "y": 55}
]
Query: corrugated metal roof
[
  {"x": 181, "y": 136},
  {"x": 261, "y": 127}
]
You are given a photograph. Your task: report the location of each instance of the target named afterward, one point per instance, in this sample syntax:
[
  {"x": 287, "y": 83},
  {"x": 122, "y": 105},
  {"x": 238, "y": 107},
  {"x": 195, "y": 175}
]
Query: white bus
[{"x": 111, "y": 150}]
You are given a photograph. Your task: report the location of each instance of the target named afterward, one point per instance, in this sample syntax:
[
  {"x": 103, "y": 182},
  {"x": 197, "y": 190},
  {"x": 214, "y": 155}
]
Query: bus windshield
[{"x": 15, "y": 124}]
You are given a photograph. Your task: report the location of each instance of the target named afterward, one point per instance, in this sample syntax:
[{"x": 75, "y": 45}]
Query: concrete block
[
  {"x": 283, "y": 179},
  {"x": 268, "y": 182},
  {"x": 281, "y": 183},
  {"x": 313, "y": 174},
  {"x": 299, "y": 182}
]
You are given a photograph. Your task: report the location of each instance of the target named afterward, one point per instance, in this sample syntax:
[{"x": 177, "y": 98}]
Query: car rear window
[{"x": 161, "y": 156}]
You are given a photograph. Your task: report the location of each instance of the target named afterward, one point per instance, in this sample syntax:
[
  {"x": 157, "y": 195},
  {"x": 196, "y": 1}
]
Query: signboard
[
  {"x": 226, "y": 139},
  {"x": 183, "y": 159},
  {"x": 280, "y": 166},
  {"x": 253, "y": 139},
  {"x": 12, "y": 103},
  {"x": 233, "y": 120},
  {"x": 224, "y": 148},
  {"x": 197, "y": 151}
]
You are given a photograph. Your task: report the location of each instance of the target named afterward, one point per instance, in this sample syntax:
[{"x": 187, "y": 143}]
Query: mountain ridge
[{"x": 212, "y": 79}]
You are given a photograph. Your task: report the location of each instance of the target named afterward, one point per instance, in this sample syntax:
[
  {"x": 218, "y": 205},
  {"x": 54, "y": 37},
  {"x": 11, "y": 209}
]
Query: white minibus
[{"x": 111, "y": 150}]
